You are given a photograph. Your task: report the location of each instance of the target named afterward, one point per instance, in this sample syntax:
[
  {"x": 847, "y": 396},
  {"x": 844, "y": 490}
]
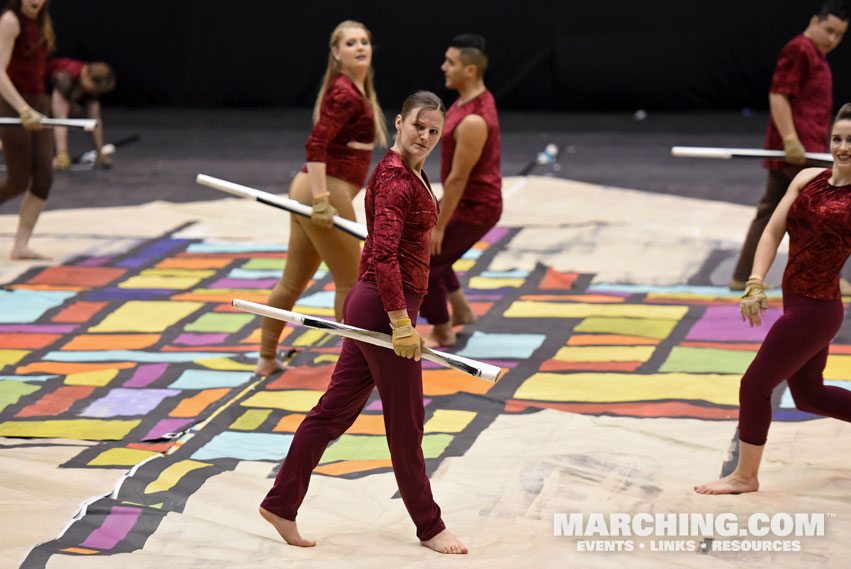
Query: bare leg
[
  {"x": 461, "y": 311},
  {"x": 445, "y": 542},
  {"x": 286, "y": 529},
  {"x": 743, "y": 479},
  {"x": 31, "y": 208},
  {"x": 440, "y": 335}
]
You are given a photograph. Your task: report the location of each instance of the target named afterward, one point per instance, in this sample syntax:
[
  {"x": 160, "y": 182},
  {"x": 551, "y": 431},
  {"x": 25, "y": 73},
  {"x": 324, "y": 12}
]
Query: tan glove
[
  {"x": 31, "y": 119},
  {"x": 795, "y": 152},
  {"x": 63, "y": 160},
  {"x": 753, "y": 303},
  {"x": 406, "y": 341},
  {"x": 103, "y": 161},
  {"x": 323, "y": 212}
]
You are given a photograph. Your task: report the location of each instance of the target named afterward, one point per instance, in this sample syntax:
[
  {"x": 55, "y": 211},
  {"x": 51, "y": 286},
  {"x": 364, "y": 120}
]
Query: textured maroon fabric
[
  {"x": 360, "y": 368},
  {"x": 795, "y": 349},
  {"x": 72, "y": 67},
  {"x": 481, "y": 202},
  {"x": 802, "y": 74},
  {"x": 344, "y": 116},
  {"x": 27, "y": 64},
  {"x": 400, "y": 214},
  {"x": 819, "y": 226}
]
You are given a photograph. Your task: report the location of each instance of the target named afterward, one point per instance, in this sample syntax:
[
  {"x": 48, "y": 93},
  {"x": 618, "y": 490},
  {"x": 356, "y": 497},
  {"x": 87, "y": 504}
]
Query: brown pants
[
  {"x": 310, "y": 245},
  {"x": 775, "y": 189},
  {"x": 29, "y": 154}
]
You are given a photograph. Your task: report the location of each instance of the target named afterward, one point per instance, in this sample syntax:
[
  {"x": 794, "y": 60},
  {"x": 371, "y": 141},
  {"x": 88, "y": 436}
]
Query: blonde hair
[{"x": 333, "y": 70}]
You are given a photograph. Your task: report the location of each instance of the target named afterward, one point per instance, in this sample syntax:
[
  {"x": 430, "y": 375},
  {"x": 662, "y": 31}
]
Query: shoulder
[
  {"x": 473, "y": 125},
  {"x": 341, "y": 87},
  {"x": 807, "y": 176},
  {"x": 390, "y": 172},
  {"x": 9, "y": 23}
]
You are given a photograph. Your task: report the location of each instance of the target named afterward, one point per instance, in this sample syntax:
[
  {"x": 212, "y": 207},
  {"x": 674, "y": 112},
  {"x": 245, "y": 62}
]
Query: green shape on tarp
[
  {"x": 263, "y": 263},
  {"x": 643, "y": 327},
  {"x": 214, "y": 322},
  {"x": 374, "y": 447},
  {"x": 11, "y": 391},
  {"x": 251, "y": 419},
  {"x": 707, "y": 360}
]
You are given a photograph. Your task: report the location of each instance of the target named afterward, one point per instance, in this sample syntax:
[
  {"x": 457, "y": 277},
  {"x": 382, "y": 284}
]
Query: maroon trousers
[
  {"x": 400, "y": 386},
  {"x": 795, "y": 349},
  {"x": 458, "y": 238}
]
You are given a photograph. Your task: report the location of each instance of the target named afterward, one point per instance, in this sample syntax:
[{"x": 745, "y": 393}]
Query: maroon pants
[
  {"x": 400, "y": 386},
  {"x": 795, "y": 349},
  {"x": 29, "y": 154},
  {"x": 457, "y": 240}
]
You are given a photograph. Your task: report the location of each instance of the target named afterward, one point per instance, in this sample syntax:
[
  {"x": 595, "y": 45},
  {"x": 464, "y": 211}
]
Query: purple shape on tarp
[
  {"x": 495, "y": 234},
  {"x": 473, "y": 297},
  {"x": 151, "y": 252},
  {"x": 114, "y": 528},
  {"x": 376, "y": 405},
  {"x": 622, "y": 294},
  {"x": 165, "y": 427},
  {"x": 39, "y": 328},
  {"x": 244, "y": 283},
  {"x": 793, "y": 415},
  {"x": 190, "y": 339},
  {"x": 724, "y": 324},
  {"x": 146, "y": 374},
  {"x": 122, "y": 401},
  {"x": 114, "y": 293},
  {"x": 94, "y": 262}
]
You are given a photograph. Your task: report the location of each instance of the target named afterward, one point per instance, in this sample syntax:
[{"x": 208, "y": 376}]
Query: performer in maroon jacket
[
  {"x": 472, "y": 184},
  {"x": 26, "y": 37},
  {"x": 801, "y": 101},
  {"x": 816, "y": 211},
  {"x": 347, "y": 121},
  {"x": 400, "y": 213}
]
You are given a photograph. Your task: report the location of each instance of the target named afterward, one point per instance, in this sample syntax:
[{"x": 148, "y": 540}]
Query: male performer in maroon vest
[
  {"x": 472, "y": 185},
  {"x": 801, "y": 103}
]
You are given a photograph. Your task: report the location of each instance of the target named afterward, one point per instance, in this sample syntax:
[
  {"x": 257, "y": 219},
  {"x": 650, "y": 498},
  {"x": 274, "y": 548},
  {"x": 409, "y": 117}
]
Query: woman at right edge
[
  {"x": 816, "y": 211},
  {"x": 401, "y": 211}
]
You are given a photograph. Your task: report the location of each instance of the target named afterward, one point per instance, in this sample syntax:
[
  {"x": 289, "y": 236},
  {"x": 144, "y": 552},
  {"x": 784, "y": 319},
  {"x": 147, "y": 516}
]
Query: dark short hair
[
  {"x": 833, "y": 8},
  {"x": 473, "y": 48}
]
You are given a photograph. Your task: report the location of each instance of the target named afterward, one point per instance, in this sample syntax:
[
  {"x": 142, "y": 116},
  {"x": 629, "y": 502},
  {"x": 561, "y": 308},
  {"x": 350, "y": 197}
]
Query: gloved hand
[
  {"x": 323, "y": 212},
  {"x": 795, "y": 152},
  {"x": 103, "y": 161},
  {"x": 31, "y": 119},
  {"x": 753, "y": 303},
  {"x": 63, "y": 160},
  {"x": 406, "y": 341}
]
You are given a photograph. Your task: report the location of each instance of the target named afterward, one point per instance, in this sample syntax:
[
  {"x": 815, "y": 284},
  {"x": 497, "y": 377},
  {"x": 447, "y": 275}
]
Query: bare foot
[
  {"x": 461, "y": 311},
  {"x": 440, "y": 335},
  {"x": 268, "y": 366},
  {"x": 465, "y": 317},
  {"x": 27, "y": 254},
  {"x": 286, "y": 529},
  {"x": 445, "y": 542},
  {"x": 729, "y": 485}
]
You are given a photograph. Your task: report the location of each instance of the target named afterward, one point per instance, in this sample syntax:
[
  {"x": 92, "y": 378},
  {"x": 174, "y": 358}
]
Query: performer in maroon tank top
[
  {"x": 400, "y": 213},
  {"x": 26, "y": 37},
  {"x": 347, "y": 121},
  {"x": 472, "y": 184},
  {"x": 816, "y": 211}
]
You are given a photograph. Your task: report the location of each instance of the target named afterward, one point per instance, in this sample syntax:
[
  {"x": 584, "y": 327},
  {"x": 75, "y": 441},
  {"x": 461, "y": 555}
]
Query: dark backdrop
[{"x": 545, "y": 55}]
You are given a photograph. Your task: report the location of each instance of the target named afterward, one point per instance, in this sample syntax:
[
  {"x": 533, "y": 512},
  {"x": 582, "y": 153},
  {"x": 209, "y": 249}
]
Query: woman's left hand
[{"x": 437, "y": 240}]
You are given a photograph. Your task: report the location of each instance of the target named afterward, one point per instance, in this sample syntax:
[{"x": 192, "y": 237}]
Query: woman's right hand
[
  {"x": 31, "y": 119},
  {"x": 323, "y": 212},
  {"x": 753, "y": 303}
]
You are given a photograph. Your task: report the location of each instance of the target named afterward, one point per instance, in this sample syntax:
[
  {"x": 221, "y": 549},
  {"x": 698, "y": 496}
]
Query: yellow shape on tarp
[
  {"x": 309, "y": 338},
  {"x": 169, "y": 477},
  {"x": 177, "y": 279},
  {"x": 81, "y": 429},
  {"x": 449, "y": 421},
  {"x": 11, "y": 357},
  {"x": 250, "y": 420},
  {"x": 224, "y": 364},
  {"x": 314, "y": 310},
  {"x": 121, "y": 457},
  {"x": 604, "y": 353},
  {"x": 722, "y": 389},
  {"x": 146, "y": 316},
  {"x": 838, "y": 367},
  {"x": 488, "y": 284},
  {"x": 536, "y": 309},
  {"x": 97, "y": 378},
  {"x": 463, "y": 264},
  {"x": 326, "y": 358},
  {"x": 301, "y": 400}
]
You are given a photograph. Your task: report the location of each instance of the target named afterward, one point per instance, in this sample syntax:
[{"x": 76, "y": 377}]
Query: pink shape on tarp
[
  {"x": 724, "y": 324},
  {"x": 376, "y": 405},
  {"x": 164, "y": 427},
  {"x": 145, "y": 375},
  {"x": 495, "y": 234},
  {"x": 190, "y": 339},
  {"x": 244, "y": 283},
  {"x": 114, "y": 528},
  {"x": 39, "y": 328}
]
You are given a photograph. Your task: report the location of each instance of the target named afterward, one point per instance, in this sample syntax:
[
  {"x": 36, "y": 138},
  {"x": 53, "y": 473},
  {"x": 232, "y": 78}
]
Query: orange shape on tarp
[
  {"x": 112, "y": 342},
  {"x": 610, "y": 340},
  {"x": 556, "y": 280},
  {"x": 80, "y": 311},
  {"x": 449, "y": 381},
  {"x": 80, "y": 276},
  {"x": 558, "y": 365},
  {"x": 363, "y": 425},
  {"x": 67, "y": 368},
  {"x": 315, "y": 378},
  {"x": 638, "y": 409},
  {"x": 21, "y": 341},
  {"x": 349, "y": 466},
  {"x": 56, "y": 402},
  {"x": 195, "y": 405}
]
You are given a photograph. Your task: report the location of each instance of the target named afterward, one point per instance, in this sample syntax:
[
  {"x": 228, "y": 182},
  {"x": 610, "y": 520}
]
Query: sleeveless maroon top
[
  {"x": 27, "y": 64},
  {"x": 400, "y": 214},
  {"x": 344, "y": 116},
  {"x": 481, "y": 202},
  {"x": 819, "y": 226}
]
